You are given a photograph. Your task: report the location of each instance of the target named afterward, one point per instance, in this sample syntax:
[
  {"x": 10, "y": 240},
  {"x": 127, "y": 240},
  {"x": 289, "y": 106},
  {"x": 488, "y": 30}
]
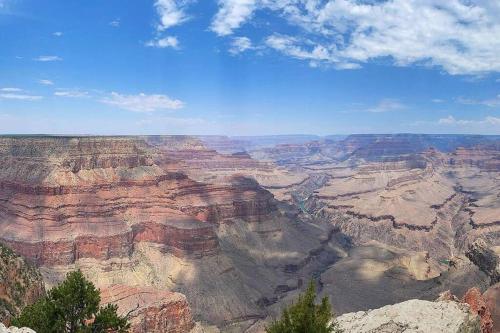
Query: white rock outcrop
[
  {"x": 13, "y": 329},
  {"x": 413, "y": 316}
]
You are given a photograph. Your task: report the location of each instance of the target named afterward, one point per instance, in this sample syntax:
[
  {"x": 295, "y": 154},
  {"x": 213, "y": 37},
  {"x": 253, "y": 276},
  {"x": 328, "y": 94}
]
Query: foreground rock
[
  {"x": 492, "y": 297},
  {"x": 413, "y": 316},
  {"x": 150, "y": 310},
  {"x": 20, "y": 284},
  {"x": 478, "y": 305},
  {"x": 13, "y": 329}
]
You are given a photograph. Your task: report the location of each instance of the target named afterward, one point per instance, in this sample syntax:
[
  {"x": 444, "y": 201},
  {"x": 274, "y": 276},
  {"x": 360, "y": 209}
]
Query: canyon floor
[{"x": 218, "y": 233}]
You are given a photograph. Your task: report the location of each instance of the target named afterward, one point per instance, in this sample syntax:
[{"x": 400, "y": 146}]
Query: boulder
[
  {"x": 413, "y": 316},
  {"x": 14, "y": 329}
]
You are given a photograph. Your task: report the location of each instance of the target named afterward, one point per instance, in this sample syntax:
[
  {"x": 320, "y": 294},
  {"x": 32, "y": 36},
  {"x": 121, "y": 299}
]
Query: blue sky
[{"x": 249, "y": 67}]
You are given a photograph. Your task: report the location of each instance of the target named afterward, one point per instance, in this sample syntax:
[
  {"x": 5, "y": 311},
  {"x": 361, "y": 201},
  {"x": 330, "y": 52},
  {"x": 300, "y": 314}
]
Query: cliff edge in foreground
[{"x": 413, "y": 316}]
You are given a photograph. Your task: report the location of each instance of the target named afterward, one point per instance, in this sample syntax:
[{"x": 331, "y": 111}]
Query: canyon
[{"x": 208, "y": 234}]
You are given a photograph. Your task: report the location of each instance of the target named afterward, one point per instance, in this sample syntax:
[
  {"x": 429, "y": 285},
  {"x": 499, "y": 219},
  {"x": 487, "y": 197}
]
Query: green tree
[
  {"x": 72, "y": 307},
  {"x": 305, "y": 316}
]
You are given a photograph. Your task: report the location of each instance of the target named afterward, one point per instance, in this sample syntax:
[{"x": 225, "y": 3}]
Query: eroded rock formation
[{"x": 150, "y": 310}]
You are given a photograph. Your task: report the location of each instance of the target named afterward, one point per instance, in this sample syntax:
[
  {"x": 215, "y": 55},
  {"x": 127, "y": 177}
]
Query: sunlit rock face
[
  {"x": 150, "y": 310},
  {"x": 413, "y": 316}
]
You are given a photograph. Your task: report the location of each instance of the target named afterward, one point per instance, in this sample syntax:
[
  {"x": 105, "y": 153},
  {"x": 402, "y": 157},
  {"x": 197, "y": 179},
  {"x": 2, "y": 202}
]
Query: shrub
[{"x": 305, "y": 316}]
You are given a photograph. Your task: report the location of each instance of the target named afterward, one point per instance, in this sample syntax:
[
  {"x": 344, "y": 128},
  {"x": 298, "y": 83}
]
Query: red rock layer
[
  {"x": 492, "y": 298},
  {"x": 150, "y": 310},
  {"x": 486, "y": 157},
  {"x": 478, "y": 305},
  {"x": 56, "y": 209}
]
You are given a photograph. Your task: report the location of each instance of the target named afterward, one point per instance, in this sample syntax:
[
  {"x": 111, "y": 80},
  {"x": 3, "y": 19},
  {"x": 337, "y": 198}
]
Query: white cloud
[
  {"x": 300, "y": 49},
  {"x": 387, "y": 105},
  {"x": 71, "y": 93},
  {"x": 57, "y": 34},
  {"x": 8, "y": 89},
  {"x": 437, "y": 100},
  {"x": 47, "y": 58},
  {"x": 20, "y": 97},
  {"x": 240, "y": 44},
  {"x": 450, "y": 120},
  {"x": 491, "y": 102},
  {"x": 115, "y": 23},
  {"x": 459, "y": 36},
  {"x": 171, "y": 12},
  {"x": 46, "y": 82},
  {"x": 143, "y": 102},
  {"x": 168, "y": 41},
  {"x": 231, "y": 15}
]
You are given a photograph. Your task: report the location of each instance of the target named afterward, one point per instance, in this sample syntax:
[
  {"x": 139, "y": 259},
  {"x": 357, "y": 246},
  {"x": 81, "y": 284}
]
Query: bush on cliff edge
[
  {"x": 305, "y": 316},
  {"x": 72, "y": 307}
]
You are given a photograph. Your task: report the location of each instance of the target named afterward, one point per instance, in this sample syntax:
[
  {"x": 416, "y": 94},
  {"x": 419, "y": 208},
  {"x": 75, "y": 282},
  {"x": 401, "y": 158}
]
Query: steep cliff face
[
  {"x": 485, "y": 258},
  {"x": 485, "y": 157},
  {"x": 64, "y": 199},
  {"x": 20, "y": 284}
]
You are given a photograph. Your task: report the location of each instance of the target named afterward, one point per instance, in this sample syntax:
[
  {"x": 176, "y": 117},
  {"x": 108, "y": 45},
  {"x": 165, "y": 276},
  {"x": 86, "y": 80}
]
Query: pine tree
[
  {"x": 305, "y": 316},
  {"x": 72, "y": 307}
]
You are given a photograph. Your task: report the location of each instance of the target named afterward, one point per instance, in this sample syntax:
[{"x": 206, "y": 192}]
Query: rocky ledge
[
  {"x": 413, "y": 316},
  {"x": 14, "y": 329},
  {"x": 150, "y": 310}
]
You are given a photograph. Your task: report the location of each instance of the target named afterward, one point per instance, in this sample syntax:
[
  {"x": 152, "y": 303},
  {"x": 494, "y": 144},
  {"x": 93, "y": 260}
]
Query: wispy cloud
[
  {"x": 161, "y": 43},
  {"x": 10, "y": 89},
  {"x": 20, "y": 97},
  {"x": 387, "y": 105},
  {"x": 46, "y": 82},
  {"x": 491, "y": 102},
  {"x": 231, "y": 15},
  {"x": 115, "y": 23},
  {"x": 438, "y": 100},
  {"x": 71, "y": 93},
  {"x": 457, "y": 36},
  {"x": 240, "y": 44},
  {"x": 57, "y": 34},
  {"x": 143, "y": 102},
  {"x": 450, "y": 120},
  {"x": 171, "y": 12},
  {"x": 48, "y": 58}
]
